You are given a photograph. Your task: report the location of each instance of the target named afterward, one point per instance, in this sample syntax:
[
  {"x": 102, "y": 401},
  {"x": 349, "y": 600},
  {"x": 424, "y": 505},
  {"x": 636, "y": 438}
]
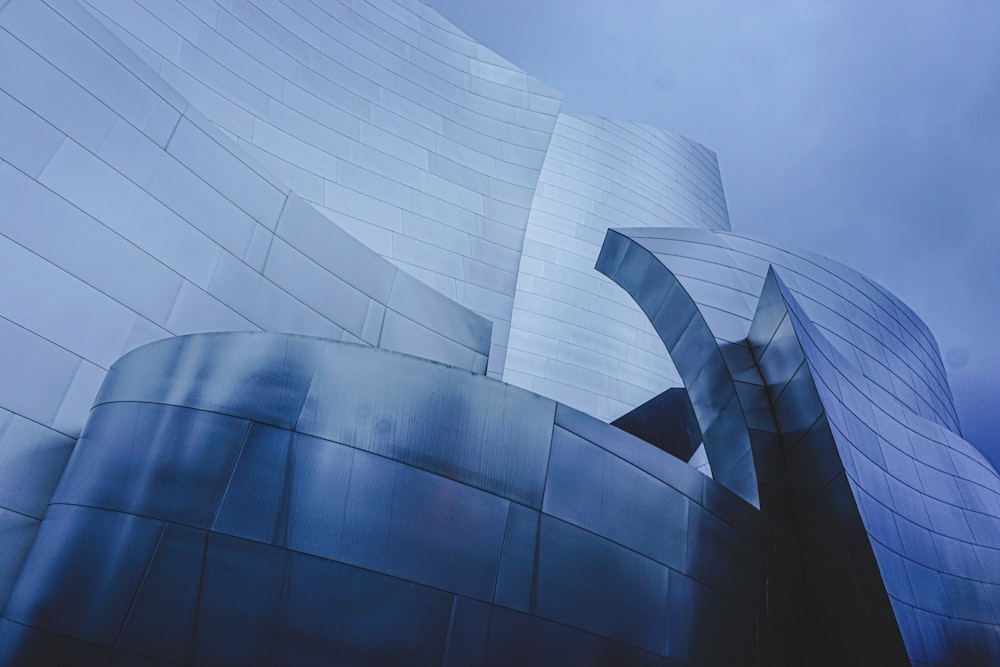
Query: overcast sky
[{"x": 865, "y": 131}]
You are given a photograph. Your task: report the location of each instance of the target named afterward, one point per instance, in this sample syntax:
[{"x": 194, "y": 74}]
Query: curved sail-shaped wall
[
  {"x": 407, "y": 134},
  {"x": 893, "y": 505},
  {"x": 895, "y": 514}
]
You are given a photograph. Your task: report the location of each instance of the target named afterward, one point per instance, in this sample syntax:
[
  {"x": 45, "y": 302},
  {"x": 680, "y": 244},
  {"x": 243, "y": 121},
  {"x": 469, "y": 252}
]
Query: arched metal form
[
  {"x": 697, "y": 355},
  {"x": 724, "y": 274},
  {"x": 232, "y": 476},
  {"x": 172, "y": 167}
]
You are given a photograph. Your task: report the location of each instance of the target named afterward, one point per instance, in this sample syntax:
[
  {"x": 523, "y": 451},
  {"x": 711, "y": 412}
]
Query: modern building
[{"x": 327, "y": 339}]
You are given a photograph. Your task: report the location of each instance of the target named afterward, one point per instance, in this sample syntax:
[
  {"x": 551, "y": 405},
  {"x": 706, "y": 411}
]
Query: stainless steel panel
[
  {"x": 67, "y": 49},
  {"x": 419, "y": 617},
  {"x": 468, "y": 634},
  {"x": 588, "y": 582},
  {"x": 402, "y": 334},
  {"x": 32, "y": 459},
  {"x": 53, "y": 95},
  {"x": 196, "y": 311},
  {"x": 83, "y": 571},
  {"x": 172, "y": 581},
  {"x": 20, "y": 643},
  {"x": 86, "y": 182},
  {"x": 515, "y": 580},
  {"x": 445, "y": 534},
  {"x": 77, "y": 317},
  {"x": 17, "y": 533},
  {"x": 695, "y": 615},
  {"x": 242, "y": 585},
  {"x": 592, "y": 489},
  {"x": 651, "y": 460},
  {"x": 39, "y": 371},
  {"x": 322, "y": 291},
  {"x": 256, "y": 504},
  {"x": 226, "y": 173},
  {"x": 721, "y": 558},
  {"x": 154, "y": 460},
  {"x": 520, "y": 639},
  {"x": 445, "y": 425},
  {"x": 32, "y": 145}
]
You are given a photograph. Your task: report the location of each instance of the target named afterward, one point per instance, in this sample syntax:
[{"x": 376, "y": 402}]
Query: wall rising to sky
[{"x": 213, "y": 213}]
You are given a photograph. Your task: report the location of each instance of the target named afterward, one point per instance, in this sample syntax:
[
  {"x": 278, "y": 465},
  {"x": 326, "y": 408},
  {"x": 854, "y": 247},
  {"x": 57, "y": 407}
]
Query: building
[{"x": 306, "y": 361}]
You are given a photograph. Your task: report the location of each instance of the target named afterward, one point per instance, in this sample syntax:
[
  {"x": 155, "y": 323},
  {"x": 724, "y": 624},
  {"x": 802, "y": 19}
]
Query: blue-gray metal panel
[
  {"x": 696, "y": 614},
  {"x": 32, "y": 459},
  {"x": 591, "y": 583},
  {"x": 18, "y": 533},
  {"x": 21, "y": 644},
  {"x": 443, "y": 422},
  {"x": 162, "y": 618},
  {"x": 531, "y": 641},
  {"x": 724, "y": 560},
  {"x": 256, "y": 500},
  {"x": 82, "y": 572},
  {"x": 599, "y": 492},
  {"x": 241, "y": 616},
  {"x": 515, "y": 579},
  {"x": 445, "y": 534},
  {"x": 154, "y": 460}
]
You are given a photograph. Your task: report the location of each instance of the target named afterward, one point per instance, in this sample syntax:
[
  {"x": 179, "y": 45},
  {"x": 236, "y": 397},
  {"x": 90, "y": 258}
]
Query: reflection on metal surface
[
  {"x": 574, "y": 336},
  {"x": 230, "y": 475},
  {"x": 226, "y": 472},
  {"x": 907, "y": 509},
  {"x": 685, "y": 333},
  {"x": 418, "y": 220}
]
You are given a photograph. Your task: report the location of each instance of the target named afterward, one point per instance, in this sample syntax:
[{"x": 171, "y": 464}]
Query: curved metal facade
[
  {"x": 364, "y": 173},
  {"x": 895, "y": 514},
  {"x": 407, "y": 134},
  {"x": 574, "y": 336},
  {"x": 290, "y": 499},
  {"x": 128, "y": 217}
]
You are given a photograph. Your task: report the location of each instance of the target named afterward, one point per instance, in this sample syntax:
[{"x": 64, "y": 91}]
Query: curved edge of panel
[
  {"x": 725, "y": 272},
  {"x": 696, "y": 354}
]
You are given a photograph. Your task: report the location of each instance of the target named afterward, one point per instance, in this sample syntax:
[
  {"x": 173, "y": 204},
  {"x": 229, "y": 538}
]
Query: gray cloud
[{"x": 867, "y": 132}]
